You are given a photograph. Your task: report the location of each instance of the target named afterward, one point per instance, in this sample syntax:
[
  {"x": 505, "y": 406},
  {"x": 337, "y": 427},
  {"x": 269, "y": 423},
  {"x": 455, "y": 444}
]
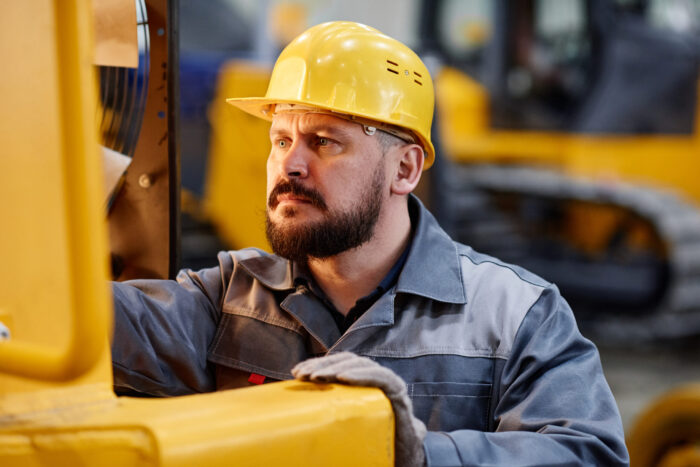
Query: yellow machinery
[
  {"x": 570, "y": 136},
  {"x": 56, "y": 401},
  {"x": 667, "y": 434},
  {"x": 236, "y": 174}
]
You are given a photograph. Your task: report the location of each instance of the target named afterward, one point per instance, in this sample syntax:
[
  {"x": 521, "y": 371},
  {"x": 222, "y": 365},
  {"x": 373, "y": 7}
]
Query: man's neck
[{"x": 355, "y": 273}]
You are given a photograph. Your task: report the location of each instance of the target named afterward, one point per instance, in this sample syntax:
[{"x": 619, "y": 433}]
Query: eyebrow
[
  {"x": 332, "y": 131},
  {"x": 314, "y": 129}
]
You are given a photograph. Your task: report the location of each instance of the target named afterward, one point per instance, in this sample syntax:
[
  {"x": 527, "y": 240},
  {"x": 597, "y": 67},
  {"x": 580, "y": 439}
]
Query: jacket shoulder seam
[{"x": 543, "y": 285}]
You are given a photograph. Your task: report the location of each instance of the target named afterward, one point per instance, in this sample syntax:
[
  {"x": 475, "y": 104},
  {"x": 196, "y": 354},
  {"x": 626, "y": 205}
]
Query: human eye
[
  {"x": 327, "y": 146},
  {"x": 282, "y": 143},
  {"x": 325, "y": 142}
]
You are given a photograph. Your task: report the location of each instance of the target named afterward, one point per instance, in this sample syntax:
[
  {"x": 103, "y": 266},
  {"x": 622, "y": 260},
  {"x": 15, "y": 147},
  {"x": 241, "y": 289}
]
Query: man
[{"x": 484, "y": 354}]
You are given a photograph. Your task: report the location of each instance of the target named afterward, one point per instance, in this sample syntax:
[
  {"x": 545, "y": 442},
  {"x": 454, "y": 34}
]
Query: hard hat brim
[{"x": 261, "y": 107}]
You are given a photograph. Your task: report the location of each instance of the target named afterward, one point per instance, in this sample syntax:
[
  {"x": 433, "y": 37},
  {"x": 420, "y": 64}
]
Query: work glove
[{"x": 348, "y": 368}]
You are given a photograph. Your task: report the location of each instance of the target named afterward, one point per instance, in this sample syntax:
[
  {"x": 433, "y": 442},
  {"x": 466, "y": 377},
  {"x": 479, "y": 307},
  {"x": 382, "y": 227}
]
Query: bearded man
[{"x": 481, "y": 360}]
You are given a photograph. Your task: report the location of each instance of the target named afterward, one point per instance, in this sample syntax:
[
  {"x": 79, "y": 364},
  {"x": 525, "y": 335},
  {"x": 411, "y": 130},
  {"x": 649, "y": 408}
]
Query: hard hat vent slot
[
  {"x": 396, "y": 72},
  {"x": 416, "y": 80}
]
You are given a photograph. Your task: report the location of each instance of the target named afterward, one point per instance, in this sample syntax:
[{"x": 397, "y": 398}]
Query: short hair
[{"x": 388, "y": 141}]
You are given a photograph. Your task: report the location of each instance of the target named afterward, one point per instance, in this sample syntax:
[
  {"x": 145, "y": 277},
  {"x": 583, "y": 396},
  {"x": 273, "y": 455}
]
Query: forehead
[{"x": 309, "y": 122}]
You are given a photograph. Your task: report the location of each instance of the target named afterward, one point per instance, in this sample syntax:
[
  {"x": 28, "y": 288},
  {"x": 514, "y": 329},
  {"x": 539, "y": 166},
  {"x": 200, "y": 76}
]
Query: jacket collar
[
  {"x": 273, "y": 271},
  {"x": 432, "y": 269}
]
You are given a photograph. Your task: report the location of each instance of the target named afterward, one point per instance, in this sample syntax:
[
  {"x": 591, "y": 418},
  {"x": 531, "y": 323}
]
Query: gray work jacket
[{"x": 490, "y": 353}]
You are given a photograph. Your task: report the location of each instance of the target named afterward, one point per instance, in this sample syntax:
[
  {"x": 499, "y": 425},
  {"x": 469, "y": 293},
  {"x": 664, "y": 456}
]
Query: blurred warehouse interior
[{"x": 567, "y": 141}]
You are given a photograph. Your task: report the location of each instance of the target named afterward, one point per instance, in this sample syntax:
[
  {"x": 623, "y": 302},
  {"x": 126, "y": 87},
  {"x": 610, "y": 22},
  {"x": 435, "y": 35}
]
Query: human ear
[{"x": 409, "y": 167}]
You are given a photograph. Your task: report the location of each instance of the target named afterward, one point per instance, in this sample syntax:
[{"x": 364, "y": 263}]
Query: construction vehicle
[
  {"x": 667, "y": 434},
  {"x": 57, "y": 406},
  {"x": 570, "y": 137}
]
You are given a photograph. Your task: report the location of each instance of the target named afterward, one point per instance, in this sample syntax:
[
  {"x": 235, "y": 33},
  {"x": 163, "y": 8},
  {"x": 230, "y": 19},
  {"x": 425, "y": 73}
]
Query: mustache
[{"x": 295, "y": 188}]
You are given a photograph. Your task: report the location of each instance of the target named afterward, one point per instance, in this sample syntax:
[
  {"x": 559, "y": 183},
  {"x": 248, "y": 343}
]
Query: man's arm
[
  {"x": 162, "y": 330},
  {"x": 555, "y": 407}
]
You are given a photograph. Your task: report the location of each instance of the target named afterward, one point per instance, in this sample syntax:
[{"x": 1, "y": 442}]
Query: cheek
[
  {"x": 271, "y": 175},
  {"x": 346, "y": 187},
  {"x": 269, "y": 165}
]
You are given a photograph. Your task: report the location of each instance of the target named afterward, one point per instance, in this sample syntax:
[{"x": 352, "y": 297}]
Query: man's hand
[{"x": 348, "y": 368}]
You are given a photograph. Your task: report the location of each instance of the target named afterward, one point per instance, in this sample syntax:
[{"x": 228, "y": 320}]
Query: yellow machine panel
[
  {"x": 468, "y": 138},
  {"x": 667, "y": 434},
  {"x": 57, "y": 406},
  {"x": 53, "y": 293},
  {"x": 566, "y": 204},
  {"x": 288, "y": 423},
  {"x": 236, "y": 173}
]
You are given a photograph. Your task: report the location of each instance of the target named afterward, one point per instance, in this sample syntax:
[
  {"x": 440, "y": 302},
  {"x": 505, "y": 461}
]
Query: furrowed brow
[
  {"x": 275, "y": 132},
  {"x": 332, "y": 131}
]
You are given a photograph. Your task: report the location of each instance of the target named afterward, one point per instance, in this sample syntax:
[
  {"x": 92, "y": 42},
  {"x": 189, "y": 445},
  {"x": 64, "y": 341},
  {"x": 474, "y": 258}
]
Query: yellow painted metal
[
  {"x": 286, "y": 20},
  {"x": 236, "y": 170},
  {"x": 288, "y": 423},
  {"x": 47, "y": 122},
  {"x": 464, "y": 125},
  {"x": 53, "y": 297},
  {"x": 684, "y": 456},
  {"x": 663, "y": 161},
  {"x": 668, "y": 431},
  {"x": 463, "y": 106}
]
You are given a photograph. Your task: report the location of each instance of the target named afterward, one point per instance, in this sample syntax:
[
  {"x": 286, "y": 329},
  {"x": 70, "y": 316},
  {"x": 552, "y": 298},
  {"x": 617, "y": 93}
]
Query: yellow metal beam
[
  {"x": 289, "y": 423},
  {"x": 86, "y": 263},
  {"x": 54, "y": 300},
  {"x": 236, "y": 166},
  {"x": 669, "y": 429}
]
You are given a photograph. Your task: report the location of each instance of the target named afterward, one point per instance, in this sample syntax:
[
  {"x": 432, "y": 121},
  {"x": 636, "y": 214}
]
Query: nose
[{"x": 295, "y": 162}]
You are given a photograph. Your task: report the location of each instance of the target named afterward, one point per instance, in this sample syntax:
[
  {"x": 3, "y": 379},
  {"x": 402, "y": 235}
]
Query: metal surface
[
  {"x": 290, "y": 423},
  {"x": 236, "y": 173},
  {"x": 593, "y": 212},
  {"x": 669, "y": 430},
  {"x": 173, "y": 115},
  {"x": 144, "y": 221},
  {"x": 613, "y": 281},
  {"x": 54, "y": 299},
  {"x": 5, "y": 333},
  {"x": 123, "y": 90},
  {"x": 72, "y": 188}
]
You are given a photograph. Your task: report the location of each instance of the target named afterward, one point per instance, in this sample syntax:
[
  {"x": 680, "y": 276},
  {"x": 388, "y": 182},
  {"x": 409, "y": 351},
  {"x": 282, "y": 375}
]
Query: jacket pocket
[
  {"x": 451, "y": 406},
  {"x": 248, "y": 345}
]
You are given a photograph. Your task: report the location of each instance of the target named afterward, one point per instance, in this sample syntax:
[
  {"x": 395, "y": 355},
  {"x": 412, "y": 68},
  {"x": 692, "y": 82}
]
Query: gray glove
[{"x": 348, "y": 368}]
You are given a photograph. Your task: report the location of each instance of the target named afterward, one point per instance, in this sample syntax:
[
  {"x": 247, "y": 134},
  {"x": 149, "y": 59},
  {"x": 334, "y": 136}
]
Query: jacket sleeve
[
  {"x": 162, "y": 331},
  {"x": 554, "y": 406}
]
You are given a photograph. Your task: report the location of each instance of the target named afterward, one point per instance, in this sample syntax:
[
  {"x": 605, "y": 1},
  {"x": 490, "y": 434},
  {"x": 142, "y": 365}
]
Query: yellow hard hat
[{"x": 355, "y": 70}]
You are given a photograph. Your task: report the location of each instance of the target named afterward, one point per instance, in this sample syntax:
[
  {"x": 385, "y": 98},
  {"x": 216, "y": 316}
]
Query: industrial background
[{"x": 567, "y": 139}]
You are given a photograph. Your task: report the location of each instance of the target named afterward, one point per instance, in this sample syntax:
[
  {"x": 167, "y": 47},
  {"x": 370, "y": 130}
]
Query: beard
[{"x": 339, "y": 231}]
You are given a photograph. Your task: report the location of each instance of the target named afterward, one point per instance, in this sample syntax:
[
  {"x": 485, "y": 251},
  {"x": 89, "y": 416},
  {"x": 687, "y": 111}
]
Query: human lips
[
  {"x": 292, "y": 199},
  {"x": 292, "y": 192}
]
